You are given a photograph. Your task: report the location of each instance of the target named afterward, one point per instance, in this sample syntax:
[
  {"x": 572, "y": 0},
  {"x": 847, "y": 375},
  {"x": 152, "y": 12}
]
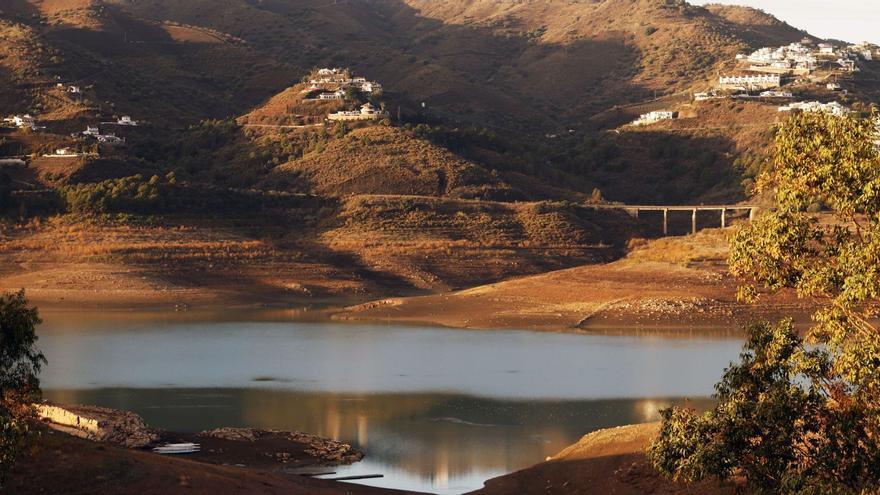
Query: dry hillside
[
  {"x": 525, "y": 71},
  {"x": 384, "y": 160}
]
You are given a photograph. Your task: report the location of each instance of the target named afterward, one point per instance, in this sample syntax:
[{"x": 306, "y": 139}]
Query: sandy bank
[
  {"x": 605, "y": 461},
  {"x": 623, "y": 294}
]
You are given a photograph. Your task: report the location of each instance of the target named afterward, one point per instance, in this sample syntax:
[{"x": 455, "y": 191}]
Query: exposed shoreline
[
  {"x": 615, "y": 298},
  {"x": 107, "y": 451},
  {"x": 245, "y": 460}
]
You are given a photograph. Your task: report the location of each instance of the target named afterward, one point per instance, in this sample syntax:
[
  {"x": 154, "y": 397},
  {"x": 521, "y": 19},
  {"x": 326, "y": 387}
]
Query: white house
[
  {"x": 336, "y": 95},
  {"x": 330, "y": 72},
  {"x": 126, "y": 120},
  {"x": 74, "y": 89},
  {"x": 110, "y": 139},
  {"x": 761, "y": 81},
  {"x": 25, "y": 120},
  {"x": 64, "y": 152},
  {"x": 833, "y": 108},
  {"x": 847, "y": 65},
  {"x": 833, "y": 86},
  {"x": 654, "y": 117},
  {"x": 776, "y": 94},
  {"x": 367, "y": 112},
  {"x": 708, "y": 95},
  {"x": 371, "y": 87},
  {"x": 826, "y": 49},
  {"x": 91, "y": 130}
]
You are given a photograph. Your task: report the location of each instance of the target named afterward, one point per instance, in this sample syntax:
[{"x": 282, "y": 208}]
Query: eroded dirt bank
[
  {"x": 672, "y": 284},
  {"x": 605, "y": 461}
]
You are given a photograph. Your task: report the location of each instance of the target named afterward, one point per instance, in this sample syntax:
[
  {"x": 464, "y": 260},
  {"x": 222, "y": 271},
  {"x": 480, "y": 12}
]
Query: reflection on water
[
  {"x": 436, "y": 442},
  {"x": 434, "y": 409}
]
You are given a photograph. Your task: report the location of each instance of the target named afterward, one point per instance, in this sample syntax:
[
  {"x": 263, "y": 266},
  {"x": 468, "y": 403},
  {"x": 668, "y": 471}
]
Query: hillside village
[
  {"x": 784, "y": 73},
  {"x": 338, "y": 84}
]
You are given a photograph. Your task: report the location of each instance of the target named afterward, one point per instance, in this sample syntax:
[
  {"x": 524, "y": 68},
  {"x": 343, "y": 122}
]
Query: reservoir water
[{"x": 435, "y": 410}]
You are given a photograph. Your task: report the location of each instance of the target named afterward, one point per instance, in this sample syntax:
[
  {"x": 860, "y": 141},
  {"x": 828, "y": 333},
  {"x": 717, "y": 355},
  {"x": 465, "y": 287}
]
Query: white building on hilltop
[
  {"x": 833, "y": 108},
  {"x": 654, "y": 117},
  {"x": 339, "y": 79},
  {"x": 63, "y": 153},
  {"x": 761, "y": 81},
  {"x": 367, "y": 112},
  {"x": 826, "y": 49},
  {"x": 776, "y": 94},
  {"x": 126, "y": 120},
  {"x": 336, "y": 95},
  {"x": 23, "y": 121},
  {"x": 111, "y": 139},
  {"x": 708, "y": 95},
  {"x": 795, "y": 56}
]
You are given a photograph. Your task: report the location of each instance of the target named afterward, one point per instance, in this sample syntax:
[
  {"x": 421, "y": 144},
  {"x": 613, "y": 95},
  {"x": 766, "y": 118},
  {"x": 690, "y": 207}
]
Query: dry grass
[
  {"x": 710, "y": 245},
  {"x": 387, "y": 160}
]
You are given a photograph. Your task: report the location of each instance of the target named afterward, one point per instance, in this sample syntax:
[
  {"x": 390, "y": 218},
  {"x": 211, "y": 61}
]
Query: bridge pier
[{"x": 635, "y": 210}]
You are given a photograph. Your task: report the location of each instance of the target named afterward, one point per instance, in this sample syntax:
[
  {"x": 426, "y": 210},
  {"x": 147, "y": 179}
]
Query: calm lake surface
[{"x": 435, "y": 410}]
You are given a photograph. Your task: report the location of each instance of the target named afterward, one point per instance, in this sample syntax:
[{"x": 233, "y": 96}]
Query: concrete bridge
[{"x": 634, "y": 210}]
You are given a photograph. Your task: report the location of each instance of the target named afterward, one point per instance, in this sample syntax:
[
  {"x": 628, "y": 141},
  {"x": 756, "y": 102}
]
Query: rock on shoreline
[
  {"x": 101, "y": 424},
  {"x": 324, "y": 449}
]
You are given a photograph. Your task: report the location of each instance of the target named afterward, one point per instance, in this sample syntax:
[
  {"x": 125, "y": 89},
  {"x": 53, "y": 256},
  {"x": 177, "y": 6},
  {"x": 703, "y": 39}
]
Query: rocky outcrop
[
  {"x": 100, "y": 424},
  {"x": 324, "y": 449}
]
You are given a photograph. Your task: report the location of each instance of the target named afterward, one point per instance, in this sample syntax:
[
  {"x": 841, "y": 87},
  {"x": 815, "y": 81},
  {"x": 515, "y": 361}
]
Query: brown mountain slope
[
  {"x": 548, "y": 77},
  {"x": 534, "y": 64},
  {"x": 385, "y": 160},
  {"x": 757, "y": 25}
]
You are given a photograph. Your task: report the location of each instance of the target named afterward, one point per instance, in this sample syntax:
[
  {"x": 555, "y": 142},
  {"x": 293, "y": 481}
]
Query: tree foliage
[
  {"x": 20, "y": 364},
  {"x": 801, "y": 414}
]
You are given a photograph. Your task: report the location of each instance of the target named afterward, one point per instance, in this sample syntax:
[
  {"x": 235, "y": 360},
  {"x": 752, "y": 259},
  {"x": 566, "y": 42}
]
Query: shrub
[
  {"x": 133, "y": 194},
  {"x": 800, "y": 415},
  {"x": 20, "y": 364}
]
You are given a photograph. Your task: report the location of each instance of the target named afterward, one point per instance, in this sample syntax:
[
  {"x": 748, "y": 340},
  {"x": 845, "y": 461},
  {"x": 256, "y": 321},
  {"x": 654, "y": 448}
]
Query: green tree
[
  {"x": 354, "y": 94},
  {"x": 801, "y": 414},
  {"x": 20, "y": 364}
]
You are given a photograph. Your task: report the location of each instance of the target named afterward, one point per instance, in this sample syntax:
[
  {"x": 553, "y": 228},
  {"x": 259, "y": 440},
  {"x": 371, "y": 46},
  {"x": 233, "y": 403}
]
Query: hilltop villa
[
  {"x": 336, "y": 95},
  {"x": 654, "y": 117},
  {"x": 340, "y": 79},
  {"x": 367, "y": 112},
  {"x": 126, "y": 120}
]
